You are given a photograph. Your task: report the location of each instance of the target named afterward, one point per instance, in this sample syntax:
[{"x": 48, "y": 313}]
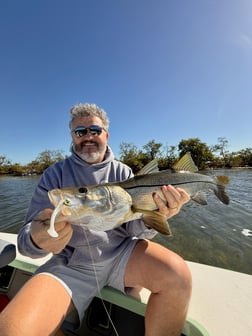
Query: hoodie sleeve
[
  {"x": 26, "y": 246},
  {"x": 39, "y": 202}
]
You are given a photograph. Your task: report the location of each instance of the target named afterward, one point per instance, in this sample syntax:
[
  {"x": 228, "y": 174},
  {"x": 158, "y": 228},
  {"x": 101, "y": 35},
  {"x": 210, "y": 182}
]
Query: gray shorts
[{"x": 86, "y": 268}]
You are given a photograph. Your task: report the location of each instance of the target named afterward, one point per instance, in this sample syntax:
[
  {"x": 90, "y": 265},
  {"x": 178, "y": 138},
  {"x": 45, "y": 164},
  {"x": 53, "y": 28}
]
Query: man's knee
[{"x": 177, "y": 275}]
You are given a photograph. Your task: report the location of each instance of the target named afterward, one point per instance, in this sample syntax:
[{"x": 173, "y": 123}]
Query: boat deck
[{"x": 221, "y": 299}]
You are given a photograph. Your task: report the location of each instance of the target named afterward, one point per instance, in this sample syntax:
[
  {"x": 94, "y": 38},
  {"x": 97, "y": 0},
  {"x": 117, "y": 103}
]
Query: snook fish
[{"x": 109, "y": 205}]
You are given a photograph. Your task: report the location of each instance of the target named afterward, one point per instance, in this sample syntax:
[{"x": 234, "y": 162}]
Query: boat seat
[{"x": 7, "y": 252}]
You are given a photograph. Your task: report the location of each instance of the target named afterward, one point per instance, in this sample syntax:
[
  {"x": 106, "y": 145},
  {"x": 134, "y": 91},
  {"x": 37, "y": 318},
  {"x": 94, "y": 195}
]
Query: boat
[{"x": 221, "y": 302}]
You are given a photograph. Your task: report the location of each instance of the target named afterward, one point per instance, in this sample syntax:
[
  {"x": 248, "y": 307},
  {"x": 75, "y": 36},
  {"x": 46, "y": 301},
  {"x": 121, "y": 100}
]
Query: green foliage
[
  {"x": 203, "y": 155},
  {"x": 167, "y": 157},
  {"x": 43, "y": 161},
  {"x": 152, "y": 149},
  {"x": 48, "y": 157},
  {"x": 130, "y": 155},
  {"x": 4, "y": 165},
  {"x": 224, "y": 158},
  {"x": 245, "y": 156}
]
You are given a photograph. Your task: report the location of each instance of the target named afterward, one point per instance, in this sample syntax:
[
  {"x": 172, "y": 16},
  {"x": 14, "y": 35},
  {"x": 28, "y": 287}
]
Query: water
[
  {"x": 15, "y": 195},
  {"x": 212, "y": 234}
]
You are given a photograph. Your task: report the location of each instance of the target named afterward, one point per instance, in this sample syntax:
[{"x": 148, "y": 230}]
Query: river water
[{"x": 215, "y": 234}]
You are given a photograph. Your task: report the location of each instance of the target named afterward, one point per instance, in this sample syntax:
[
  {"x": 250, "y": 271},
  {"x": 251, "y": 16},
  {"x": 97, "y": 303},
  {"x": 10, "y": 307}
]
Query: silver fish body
[
  {"x": 106, "y": 206},
  {"x": 141, "y": 187}
]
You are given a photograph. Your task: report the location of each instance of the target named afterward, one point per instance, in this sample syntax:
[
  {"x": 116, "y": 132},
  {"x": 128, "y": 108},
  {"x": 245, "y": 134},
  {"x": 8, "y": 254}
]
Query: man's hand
[
  {"x": 43, "y": 240},
  {"x": 175, "y": 198}
]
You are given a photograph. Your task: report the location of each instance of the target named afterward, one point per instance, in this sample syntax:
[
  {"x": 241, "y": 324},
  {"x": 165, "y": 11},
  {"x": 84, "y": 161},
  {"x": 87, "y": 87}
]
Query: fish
[{"x": 106, "y": 206}]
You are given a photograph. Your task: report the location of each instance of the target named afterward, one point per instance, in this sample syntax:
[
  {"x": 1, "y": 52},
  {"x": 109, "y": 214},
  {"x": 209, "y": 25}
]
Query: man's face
[{"x": 91, "y": 148}]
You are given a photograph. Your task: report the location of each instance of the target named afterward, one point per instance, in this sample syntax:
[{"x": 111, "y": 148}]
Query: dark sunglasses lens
[
  {"x": 95, "y": 130},
  {"x": 80, "y": 132}
]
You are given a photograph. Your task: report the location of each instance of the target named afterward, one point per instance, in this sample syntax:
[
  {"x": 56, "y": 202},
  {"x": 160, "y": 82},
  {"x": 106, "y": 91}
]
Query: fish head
[
  {"x": 83, "y": 202},
  {"x": 83, "y": 197}
]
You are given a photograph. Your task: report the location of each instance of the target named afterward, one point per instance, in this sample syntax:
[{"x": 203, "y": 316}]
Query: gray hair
[{"x": 88, "y": 110}]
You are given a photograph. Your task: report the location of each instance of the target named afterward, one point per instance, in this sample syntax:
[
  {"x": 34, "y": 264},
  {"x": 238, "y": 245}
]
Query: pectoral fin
[
  {"x": 156, "y": 221},
  {"x": 199, "y": 198}
]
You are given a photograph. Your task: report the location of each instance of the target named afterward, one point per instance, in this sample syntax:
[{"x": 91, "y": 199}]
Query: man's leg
[
  {"x": 168, "y": 278},
  {"x": 38, "y": 309}
]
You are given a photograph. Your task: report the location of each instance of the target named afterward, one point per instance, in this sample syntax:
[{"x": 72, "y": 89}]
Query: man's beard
[{"x": 92, "y": 157}]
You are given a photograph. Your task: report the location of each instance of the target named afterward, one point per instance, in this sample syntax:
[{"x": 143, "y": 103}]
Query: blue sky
[{"x": 163, "y": 70}]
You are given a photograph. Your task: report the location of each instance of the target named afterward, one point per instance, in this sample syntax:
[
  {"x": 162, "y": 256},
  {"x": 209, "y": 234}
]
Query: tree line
[
  {"x": 204, "y": 156},
  {"x": 35, "y": 167}
]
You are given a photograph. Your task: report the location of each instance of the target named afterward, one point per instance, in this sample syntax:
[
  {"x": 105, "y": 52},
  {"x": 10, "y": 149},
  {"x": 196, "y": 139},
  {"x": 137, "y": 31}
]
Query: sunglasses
[{"x": 80, "y": 131}]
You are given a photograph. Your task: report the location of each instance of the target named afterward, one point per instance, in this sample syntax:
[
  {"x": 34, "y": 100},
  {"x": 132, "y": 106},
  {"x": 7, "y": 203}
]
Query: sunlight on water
[{"x": 215, "y": 234}]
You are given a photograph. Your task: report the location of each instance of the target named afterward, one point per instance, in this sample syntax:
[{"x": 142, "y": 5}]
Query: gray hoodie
[{"x": 73, "y": 171}]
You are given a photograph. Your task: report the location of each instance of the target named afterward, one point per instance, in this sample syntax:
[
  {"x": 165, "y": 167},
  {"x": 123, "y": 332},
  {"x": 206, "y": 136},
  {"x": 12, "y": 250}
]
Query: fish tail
[
  {"x": 222, "y": 179},
  {"x": 220, "y": 189}
]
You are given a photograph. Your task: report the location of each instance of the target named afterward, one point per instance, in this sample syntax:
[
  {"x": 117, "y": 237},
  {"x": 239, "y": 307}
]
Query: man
[{"x": 85, "y": 260}]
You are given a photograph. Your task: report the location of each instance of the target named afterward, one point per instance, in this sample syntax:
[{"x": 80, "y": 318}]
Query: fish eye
[
  {"x": 83, "y": 190},
  {"x": 66, "y": 202}
]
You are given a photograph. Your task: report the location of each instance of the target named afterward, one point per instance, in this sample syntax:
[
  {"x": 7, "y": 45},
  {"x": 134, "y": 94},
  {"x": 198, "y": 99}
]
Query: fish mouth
[{"x": 55, "y": 196}]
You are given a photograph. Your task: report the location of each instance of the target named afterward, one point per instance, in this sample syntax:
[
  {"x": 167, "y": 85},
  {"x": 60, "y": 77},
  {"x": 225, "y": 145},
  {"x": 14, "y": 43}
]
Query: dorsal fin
[
  {"x": 186, "y": 163},
  {"x": 151, "y": 167}
]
